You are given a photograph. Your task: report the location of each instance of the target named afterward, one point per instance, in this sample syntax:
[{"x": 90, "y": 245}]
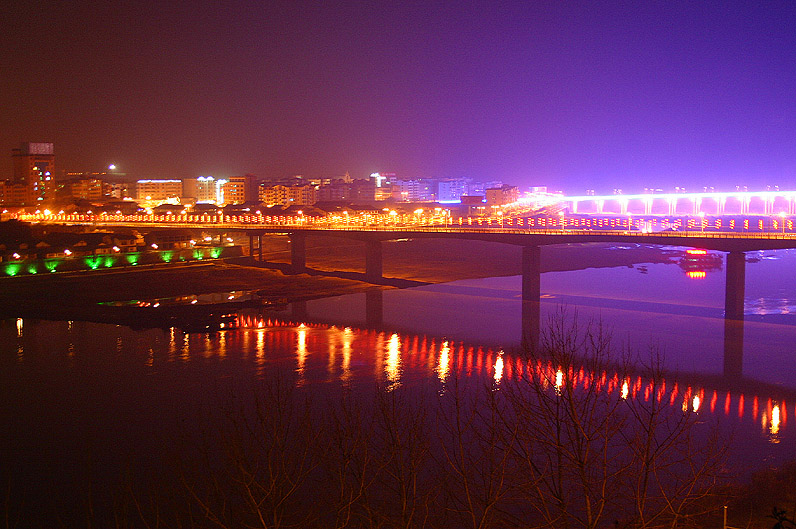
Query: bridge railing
[{"x": 408, "y": 224}]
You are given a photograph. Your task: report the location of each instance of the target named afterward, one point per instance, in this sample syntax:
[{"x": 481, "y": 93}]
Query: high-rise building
[
  {"x": 415, "y": 190},
  {"x": 240, "y": 189},
  {"x": 383, "y": 185},
  {"x": 204, "y": 189},
  {"x": 34, "y": 167},
  {"x": 453, "y": 189}
]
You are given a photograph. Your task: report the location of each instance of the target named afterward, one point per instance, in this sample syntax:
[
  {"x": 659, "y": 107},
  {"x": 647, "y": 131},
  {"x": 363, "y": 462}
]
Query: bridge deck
[{"x": 712, "y": 240}]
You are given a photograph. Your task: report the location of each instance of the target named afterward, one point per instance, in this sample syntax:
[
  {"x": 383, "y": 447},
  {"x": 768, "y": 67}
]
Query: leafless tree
[
  {"x": 257, "y": 473},
  {"x": 475, "y": 454},
  {"x": 596, "y": 445}
]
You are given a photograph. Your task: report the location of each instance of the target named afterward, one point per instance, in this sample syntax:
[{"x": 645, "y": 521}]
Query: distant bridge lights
[{"x": 671, "y": 204}]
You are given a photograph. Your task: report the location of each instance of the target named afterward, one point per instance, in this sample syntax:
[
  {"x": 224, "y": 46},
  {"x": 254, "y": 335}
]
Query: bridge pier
[
  {"x": 735, "y": 286},
  {"x": 373, "y": 261},
  {"x": 374, "y": 308},
  {"x": 531, "y": 292},
  {"x": 298, "y": 252},
  {"x": 735, "y": 290},
  {"x": 258, "y": 248}
]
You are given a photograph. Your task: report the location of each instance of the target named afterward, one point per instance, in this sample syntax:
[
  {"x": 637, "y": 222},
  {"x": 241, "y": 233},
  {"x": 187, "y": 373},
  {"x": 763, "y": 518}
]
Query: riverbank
[
  {"x": 335, "y": 267},
  {"x": 171, "y": 281}
]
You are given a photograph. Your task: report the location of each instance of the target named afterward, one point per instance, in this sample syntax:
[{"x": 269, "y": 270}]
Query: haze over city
[
  {"x": 398, "y": 264},
  {"x": 568, "y": 95}
]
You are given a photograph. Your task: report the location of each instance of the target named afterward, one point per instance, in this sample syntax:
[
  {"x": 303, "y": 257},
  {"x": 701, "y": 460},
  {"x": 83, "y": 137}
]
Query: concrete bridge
[{"x": 735, "y": 244}]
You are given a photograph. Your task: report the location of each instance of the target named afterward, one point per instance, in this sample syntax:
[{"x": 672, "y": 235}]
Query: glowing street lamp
[{"x": 782, "y": 216}]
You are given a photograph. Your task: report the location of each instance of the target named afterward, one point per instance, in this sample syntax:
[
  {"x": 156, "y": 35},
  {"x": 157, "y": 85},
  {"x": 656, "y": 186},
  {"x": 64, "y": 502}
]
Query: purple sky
[{"x": 565, "y": 94}]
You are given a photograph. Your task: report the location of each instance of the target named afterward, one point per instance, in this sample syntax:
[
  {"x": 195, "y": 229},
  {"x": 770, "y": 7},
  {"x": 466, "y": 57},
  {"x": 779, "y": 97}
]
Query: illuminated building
[
  {"x": 85, "y": 185},
  {"x": 416, "y": 190},
  {"x": 499, "y": 196},
  {"x": 34, "y": 167},
  {"x": 239, "y": 189},
  {"x": 479, "y": 188},
  {"x": 158, "y": 190},
  {"x": 279, "y": 195},
  {"x": 453, "y": 189},
  {"x": 204, "y": 189},
  {"x": 383, "y": 184},
  {"x": 361, "y": 191},
  {"x": 86, "y": 188},
  {"x": 121, "y": 190}
]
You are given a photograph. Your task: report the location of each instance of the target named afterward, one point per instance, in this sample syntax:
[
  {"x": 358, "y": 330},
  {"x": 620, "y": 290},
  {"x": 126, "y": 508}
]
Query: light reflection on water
[
  {"x": 322, "y": 354},
  {"x": 432, "y": 335},
  {"x": 661, "y": 307}
]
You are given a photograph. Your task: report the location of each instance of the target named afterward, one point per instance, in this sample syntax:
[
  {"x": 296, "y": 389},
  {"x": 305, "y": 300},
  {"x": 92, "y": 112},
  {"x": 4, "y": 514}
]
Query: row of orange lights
[
  {"x": 500, "y": 365},
  {"x": 392, "y": 218}
]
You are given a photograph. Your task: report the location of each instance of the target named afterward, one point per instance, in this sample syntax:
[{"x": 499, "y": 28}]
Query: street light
[{"x": 782, "y": 216}]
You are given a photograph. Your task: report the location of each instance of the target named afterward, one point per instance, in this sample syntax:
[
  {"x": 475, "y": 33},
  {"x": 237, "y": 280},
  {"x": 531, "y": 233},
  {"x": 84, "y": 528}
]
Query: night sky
[{"x": 566, "y": 94}]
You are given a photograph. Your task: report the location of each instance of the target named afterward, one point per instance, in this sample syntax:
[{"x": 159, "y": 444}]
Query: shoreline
[{"x": 338, "y": 271}]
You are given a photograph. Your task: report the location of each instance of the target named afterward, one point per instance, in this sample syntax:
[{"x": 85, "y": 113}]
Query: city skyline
[{"x": 570, "y": 96}]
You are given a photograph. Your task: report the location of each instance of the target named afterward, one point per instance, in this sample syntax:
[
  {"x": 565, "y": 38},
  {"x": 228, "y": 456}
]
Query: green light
[
  {"x": 32, "y": 269},
  {"x": 12, "y": 269},
  {"x": 198, "y": 254},
  {"x": 93, "y": 262},
  {"x": 132, "y": 258},
  {"x": 215, "y": 252},
  {"x": 167, "y": 256},
  {"x": 52, "y": 264},
  {"x": 109, "y": 261}
]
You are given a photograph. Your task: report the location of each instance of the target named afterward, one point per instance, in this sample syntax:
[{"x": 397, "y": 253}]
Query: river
[{"x": 82, "y": 402}]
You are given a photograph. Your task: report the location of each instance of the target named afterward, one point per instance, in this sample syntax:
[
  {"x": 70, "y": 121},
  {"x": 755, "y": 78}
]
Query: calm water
[{"x": 80, "y": 401}]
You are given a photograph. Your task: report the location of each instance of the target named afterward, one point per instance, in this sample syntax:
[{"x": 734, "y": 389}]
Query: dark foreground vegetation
[{"x": 562, "y": 446}]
